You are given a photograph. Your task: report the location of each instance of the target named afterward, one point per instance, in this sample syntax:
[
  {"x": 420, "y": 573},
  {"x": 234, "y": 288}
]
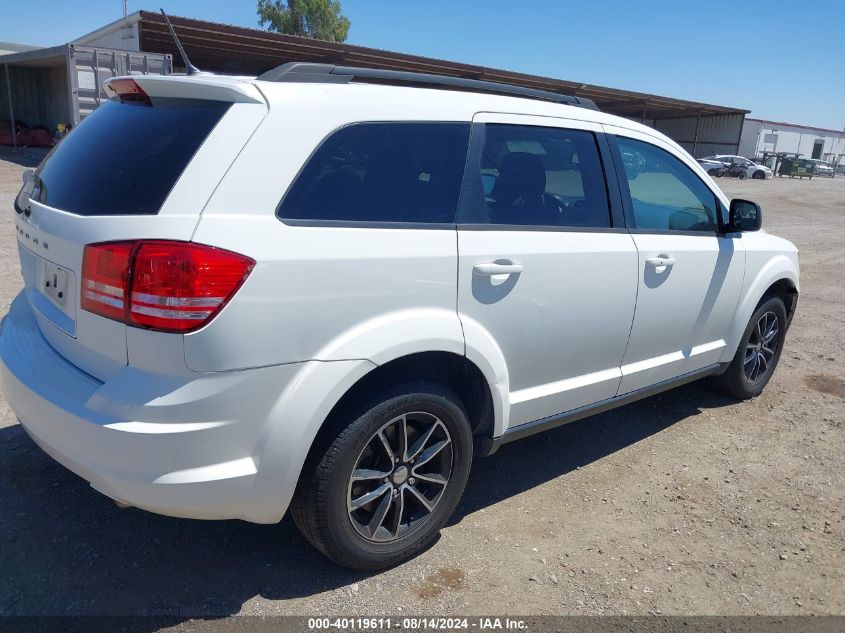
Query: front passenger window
[{"x": 666, "y": 195}]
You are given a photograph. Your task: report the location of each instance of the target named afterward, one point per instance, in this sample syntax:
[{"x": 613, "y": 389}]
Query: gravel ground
[{"x": 685, "y": 503}]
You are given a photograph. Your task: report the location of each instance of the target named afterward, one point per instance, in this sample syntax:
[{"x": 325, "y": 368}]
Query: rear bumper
[{"x": 187, "y": 445}]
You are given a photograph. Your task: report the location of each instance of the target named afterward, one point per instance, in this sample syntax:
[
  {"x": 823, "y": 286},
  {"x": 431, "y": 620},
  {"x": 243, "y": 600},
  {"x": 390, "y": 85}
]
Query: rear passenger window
[
  {"x": 666, "y": 195},
  {"x": 382, "y": 172},
  {"x": 542, "y": 176}
]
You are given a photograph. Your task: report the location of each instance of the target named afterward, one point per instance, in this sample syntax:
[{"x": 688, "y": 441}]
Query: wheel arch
[
  {"x": 779, "y": 277},
  {"x": 455, "y": 371},
  {"x": 403, "y": 345},
  {"x": 785, "y": 290},
  {"x": 422, "y": 338}
]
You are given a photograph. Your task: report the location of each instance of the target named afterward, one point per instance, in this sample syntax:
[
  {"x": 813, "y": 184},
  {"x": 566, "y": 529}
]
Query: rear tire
[
  {"x": 368, "y": 500},
  {"x": 742, "y": 175},
  {"x": 758, "y": 353}
]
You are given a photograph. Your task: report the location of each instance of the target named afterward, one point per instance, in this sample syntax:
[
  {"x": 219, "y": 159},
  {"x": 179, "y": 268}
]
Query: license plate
[{"x": 55, "y": 283}]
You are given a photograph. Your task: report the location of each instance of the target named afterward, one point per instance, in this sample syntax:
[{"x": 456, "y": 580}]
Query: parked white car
[
  {"x": 823, "y": 168},
  {"x": 249, "y": 295},
  {"x": 714, "y": 168},
  {"x": 752, "y": 169}
]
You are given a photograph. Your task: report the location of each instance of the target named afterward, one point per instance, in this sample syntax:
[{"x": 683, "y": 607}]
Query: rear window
[
  {"x": 382, "y": 172},
  {"x": 124, "y": 158}
]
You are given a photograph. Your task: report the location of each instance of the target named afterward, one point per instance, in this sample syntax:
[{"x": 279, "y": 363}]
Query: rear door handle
[
  {"x": 489, "y": 269},
  {"x": 660, "y": 262}
]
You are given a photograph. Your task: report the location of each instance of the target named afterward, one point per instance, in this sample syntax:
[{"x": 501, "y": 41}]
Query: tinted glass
[
  {"x": 124, "y": 159},
  {"x": 382, "y": 172},
  {"x": 542, "y": 176},
  {"x": 665, "y": 193}
]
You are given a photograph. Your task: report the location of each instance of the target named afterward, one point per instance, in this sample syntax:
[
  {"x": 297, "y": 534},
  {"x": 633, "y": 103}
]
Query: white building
[{"x": 760, "y": 136}]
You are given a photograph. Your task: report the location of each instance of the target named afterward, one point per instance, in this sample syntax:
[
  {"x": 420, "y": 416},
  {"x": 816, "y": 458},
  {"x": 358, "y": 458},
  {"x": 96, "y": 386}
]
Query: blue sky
[{"x": 782, "y": 59}]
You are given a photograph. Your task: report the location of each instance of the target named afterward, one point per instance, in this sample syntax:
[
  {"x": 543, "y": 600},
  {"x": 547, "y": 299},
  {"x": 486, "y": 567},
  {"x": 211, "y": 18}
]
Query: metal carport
[{"x": 701, "y": 128}]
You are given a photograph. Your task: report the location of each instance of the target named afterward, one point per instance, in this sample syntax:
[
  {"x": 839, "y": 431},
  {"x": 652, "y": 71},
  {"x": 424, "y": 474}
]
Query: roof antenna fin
[{"x": 190, "y": 69}]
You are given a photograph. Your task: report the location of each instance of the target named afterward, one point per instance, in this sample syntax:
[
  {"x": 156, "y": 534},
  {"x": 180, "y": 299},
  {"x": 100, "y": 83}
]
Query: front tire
[
  {"x": 380, "y": 492},
  {"x": 759, "y": 175},
  {"x": 758, "y": 353}
]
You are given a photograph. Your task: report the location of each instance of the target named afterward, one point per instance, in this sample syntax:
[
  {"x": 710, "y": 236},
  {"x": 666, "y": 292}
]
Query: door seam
[
  {"x": 633, "y": 314},
  {"x": 458, "y": 289}
]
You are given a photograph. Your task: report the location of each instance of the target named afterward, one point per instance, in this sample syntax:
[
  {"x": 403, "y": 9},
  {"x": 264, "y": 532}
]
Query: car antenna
[{"x": 190, "y": 69}]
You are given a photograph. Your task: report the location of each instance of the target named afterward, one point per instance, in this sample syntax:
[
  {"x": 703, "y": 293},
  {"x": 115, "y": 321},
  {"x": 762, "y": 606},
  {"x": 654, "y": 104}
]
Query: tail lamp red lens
[
  {"x": 161, "y": 285},
  {"x": 105, "y": 277}
]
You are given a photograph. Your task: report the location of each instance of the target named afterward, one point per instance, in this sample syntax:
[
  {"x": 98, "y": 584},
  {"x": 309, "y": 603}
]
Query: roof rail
[{"x": 329, "y": 73}]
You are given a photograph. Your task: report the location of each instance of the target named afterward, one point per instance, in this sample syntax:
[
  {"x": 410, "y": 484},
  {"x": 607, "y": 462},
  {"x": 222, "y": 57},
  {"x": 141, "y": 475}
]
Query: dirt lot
[{"x": 685, "y": 503}]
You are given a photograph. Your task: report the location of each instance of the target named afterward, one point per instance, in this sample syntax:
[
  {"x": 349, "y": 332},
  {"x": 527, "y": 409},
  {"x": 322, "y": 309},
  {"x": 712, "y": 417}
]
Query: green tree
[{"x": 317, "y": 19}]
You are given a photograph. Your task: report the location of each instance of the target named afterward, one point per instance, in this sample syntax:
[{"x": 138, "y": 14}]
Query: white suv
[{"x": 315, "y": 291}]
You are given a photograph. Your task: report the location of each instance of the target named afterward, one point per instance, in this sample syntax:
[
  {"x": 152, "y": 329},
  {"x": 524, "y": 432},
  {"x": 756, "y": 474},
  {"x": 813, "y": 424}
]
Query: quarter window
[
  {"x": 665, "y": 193},
  {"x": 382, "y": 172},
  {"x": 541, "y": 176}
]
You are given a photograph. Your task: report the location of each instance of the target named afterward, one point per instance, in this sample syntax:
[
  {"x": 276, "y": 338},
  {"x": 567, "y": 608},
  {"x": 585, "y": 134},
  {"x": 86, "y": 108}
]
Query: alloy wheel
[
  {"x": 761, "y": 347},
  {"x": 400, "y": 476}
]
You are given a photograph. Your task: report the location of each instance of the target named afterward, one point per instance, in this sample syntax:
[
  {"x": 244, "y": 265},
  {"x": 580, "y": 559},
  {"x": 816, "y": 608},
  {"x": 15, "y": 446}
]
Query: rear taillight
[
  {"x": 180, "y": 285},
  {"x": 160, "y": 285},
  {"x": 105, "y": 275}
]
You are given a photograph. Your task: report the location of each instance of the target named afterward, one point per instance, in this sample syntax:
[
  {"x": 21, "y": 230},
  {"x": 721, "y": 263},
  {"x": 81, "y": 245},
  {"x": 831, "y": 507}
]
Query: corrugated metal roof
[
  {"x": 238, "y": 50},
  {"x": 38, "y": 58},
  {"x": 799, "y": 126}
]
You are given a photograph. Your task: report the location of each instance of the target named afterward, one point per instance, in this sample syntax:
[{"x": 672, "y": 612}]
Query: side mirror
[{"x": 744, "y": 216}]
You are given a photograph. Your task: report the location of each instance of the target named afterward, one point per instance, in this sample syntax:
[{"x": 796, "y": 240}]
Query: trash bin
[{"x": 799, "y": 167}]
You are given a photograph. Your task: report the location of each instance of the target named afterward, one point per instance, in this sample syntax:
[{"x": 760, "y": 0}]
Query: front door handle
[
  {"x": 660, "y": 262},
  {"x": 488, "y": 269}
]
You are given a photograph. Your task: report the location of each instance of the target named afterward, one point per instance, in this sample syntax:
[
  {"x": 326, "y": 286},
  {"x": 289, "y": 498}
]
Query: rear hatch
[{"x": 142, "y": 166}]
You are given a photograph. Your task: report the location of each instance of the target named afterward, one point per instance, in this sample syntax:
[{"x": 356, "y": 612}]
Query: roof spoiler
[
  {"x": 203, "y": 86},
  {"x": 305, "y": 72}
]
